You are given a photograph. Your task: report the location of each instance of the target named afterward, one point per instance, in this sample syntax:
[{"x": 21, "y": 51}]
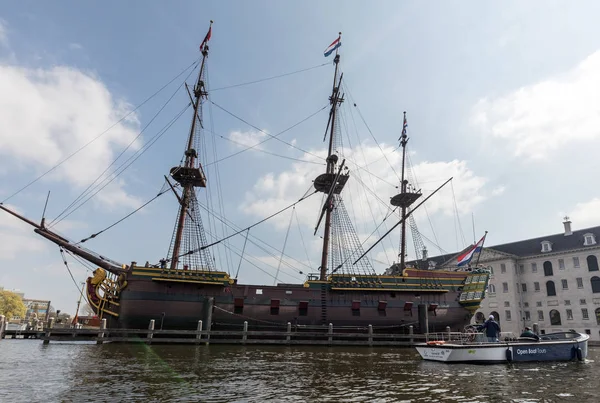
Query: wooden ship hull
[{"x": 179, "y": 299}]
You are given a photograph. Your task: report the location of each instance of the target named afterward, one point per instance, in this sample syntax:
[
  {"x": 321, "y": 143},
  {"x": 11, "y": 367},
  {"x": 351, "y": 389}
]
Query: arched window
[
  {"x": 491, "y": 288},
  {"x": 550, "y": 289},
  {"x": 592, "y": 262},
  {"x": 496, "y": 316},
  {"x": 595, "y": 284},
  {"x": 555, "y": 318},
  {"x": 548, "y": 268}
]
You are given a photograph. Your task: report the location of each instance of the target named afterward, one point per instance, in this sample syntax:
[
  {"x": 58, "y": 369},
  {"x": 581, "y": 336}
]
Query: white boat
[{"x": 560, "y": 346}]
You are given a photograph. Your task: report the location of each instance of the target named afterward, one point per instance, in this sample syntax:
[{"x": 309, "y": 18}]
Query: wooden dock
[{"x": 327, "y": 336}]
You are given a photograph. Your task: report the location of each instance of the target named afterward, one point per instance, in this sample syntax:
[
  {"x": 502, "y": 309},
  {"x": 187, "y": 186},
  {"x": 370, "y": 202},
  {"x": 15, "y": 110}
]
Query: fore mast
[
  {"x": 189, "y": 233},
  {"x": 331, "y": 182}
]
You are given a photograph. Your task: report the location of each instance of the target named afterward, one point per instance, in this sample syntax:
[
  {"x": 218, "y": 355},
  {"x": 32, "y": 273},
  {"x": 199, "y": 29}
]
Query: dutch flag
[
  {"x": 466, "y": 257},
  {"x": 334, "y": 45}
]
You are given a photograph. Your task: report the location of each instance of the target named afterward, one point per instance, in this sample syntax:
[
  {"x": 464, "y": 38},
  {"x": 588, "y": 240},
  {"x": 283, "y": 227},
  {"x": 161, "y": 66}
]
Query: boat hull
[
  {"x": 182, "y": 305},
  {"x": 566, "y": 346}
]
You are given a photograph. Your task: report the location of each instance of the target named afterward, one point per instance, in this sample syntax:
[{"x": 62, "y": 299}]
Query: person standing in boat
[
  {"x": 492, "y": 329},
  {"x": 528, "y": 333}
]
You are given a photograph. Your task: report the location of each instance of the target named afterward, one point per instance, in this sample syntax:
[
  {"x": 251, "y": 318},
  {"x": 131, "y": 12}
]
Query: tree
[
  {"x": 11, "y": 305},
  {"x": 87, "y": 310}
]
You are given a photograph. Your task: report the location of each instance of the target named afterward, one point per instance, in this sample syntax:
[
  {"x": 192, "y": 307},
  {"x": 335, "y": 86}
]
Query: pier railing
[{"x": 327, "y": 335}]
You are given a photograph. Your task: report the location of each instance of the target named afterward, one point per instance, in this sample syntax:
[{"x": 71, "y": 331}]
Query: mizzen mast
[
  {"x": 406, "y": 197},
  {"x": 189, "y": 233}
]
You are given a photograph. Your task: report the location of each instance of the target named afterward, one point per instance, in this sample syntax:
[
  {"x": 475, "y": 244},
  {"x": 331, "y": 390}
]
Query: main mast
[
  {"x": 405, "y": 198},
  {"x": 191, "y": 174},
  {"x": 331, "y": 183}
]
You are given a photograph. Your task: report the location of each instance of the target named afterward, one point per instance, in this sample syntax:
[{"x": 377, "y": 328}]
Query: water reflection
[{"x": 69, "y": 372}]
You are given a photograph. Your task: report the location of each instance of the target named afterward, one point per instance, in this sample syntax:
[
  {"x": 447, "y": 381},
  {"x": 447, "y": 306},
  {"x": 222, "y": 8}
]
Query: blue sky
[{"x": 502, "y": 97}]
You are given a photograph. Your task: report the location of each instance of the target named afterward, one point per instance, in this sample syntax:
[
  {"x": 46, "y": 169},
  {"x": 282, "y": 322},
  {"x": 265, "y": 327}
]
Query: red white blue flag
[
  {"x": 334, "y": 45},
  {"x": 466, "y": 257}
]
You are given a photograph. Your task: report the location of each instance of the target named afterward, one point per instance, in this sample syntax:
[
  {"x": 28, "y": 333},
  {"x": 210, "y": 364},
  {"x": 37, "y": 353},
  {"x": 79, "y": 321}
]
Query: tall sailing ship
[{"x": 186, "y": 287}]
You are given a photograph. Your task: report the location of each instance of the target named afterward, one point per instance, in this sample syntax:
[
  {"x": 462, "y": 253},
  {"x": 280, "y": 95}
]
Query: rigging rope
[
  {"x": 95, "y": 182},
  {"x": 247, "y": 228},
  {"x": 269, "y": 78},
  {"x": 62, "y": 254},
  {"x": 126, "y": 164},
  {"x": 269, "y": 134},
  {"x": 127, "y": 216},
  {"x": 195, "y": 63}
]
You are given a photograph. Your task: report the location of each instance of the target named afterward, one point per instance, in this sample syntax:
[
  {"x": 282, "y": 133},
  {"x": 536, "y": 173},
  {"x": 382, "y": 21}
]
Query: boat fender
[
  {"x": 509, "y": 356},
  {"x": 579, "y": 353}
]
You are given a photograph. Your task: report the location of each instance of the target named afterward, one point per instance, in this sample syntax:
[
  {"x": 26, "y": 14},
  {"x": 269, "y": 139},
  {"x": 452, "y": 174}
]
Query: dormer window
[
  {"x": 546, "y": 246},
  {"x": 589, "y": 239}
]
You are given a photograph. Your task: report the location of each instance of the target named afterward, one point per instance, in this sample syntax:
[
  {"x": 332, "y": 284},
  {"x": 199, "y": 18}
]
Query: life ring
[{"x": 436, "y": 343}]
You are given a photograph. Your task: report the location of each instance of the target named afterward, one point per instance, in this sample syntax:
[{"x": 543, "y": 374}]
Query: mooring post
[
  {"x": 245, "y": 333},
  {"x": 448, "y": 332},
  {"x": 210, "y": 303},
  {"x": 151, "y": 332},
  {"x": 49, "y": 330},
  {"x": 289, "y": 333},
  {"x": 101, "y": 333},
  {"x": 199, "y": 330},
  {"x": 411, "y": 332},
  {"x": 330, "y": 338},
  {"x": 370, "y": 335},
  {"x": 2, "y": 326}
]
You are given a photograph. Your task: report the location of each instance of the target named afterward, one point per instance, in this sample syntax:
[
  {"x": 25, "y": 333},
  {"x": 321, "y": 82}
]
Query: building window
[
  {"x": 595, "y": 284},
  {"x": 589, "y": 239},
  {"x": 502, "y": 268},
  {"x": 527, "y": 315},
  {"x": 546, "y": 246},
  {"x": 491, "y": 288},
  {"x": 550, "y": 289},
  {"x": 522, "y": 268},
  {"x": 507, "y": 314},
  {"x": 538, "y": 303},
  {"x": 506, "y": 303},
  {"x": 524, "y": 287},
  {"x": 548, "y": 268},
  {"x": 561, "y": 264},
  {"x": 569, "y": 314},
  {"x": 579, "y": 282},
  {"x": 565, "y": 284},
  {"x": 536, "y": 286},
  {"x": 504, "y": 287},
  {"x": 526, "y": 304},
  {"x": 598, "y": 316},
  {"x": 584, "y": 314},
  {"x": 540, "y": 315},
  {"x": 592, "y": 263},
  {"x": 555, "y": 318},
  {"x": 534, "y": 267},
  {"x": 576, "y": 262},
  {"x": 567, "y": 302},
  {"x": 582, "y": 301}
]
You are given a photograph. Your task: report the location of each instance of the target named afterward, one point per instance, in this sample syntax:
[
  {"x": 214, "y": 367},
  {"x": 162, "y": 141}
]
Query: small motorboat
[{"x": 559, "y": 346}]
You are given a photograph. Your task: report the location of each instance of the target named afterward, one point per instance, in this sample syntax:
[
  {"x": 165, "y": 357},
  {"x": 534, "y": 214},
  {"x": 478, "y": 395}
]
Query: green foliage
[{"x": 11, "y": 305}]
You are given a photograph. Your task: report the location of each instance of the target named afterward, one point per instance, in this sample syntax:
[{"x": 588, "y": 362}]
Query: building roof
[
  {"x": 560, "y": 243},
  {"x": 528, "y": 247}
]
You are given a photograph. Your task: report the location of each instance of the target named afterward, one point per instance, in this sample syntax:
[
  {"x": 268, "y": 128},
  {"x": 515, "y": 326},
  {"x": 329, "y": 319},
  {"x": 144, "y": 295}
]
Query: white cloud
[
  {"x": 247, "y": 139},
  {"x": 47, "y": 114},
  {"x": 75, "y": 46},
  {"x": 273, "y": 192},
  {"x": 16, "y": 238},
  {"x": 538, "y": 119},
  {"x": 586, "y": 214},
  {"x": 498, "y": 190}
]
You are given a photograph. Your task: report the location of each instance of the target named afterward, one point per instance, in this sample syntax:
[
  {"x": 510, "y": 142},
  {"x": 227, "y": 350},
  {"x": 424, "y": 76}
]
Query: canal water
[{"x": 32, "y": 372}]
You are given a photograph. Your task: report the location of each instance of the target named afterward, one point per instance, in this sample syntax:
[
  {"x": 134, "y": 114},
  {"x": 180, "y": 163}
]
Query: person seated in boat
[
  {"x": 528, "y": 333},
  {"x": 492, "y": 329}
]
